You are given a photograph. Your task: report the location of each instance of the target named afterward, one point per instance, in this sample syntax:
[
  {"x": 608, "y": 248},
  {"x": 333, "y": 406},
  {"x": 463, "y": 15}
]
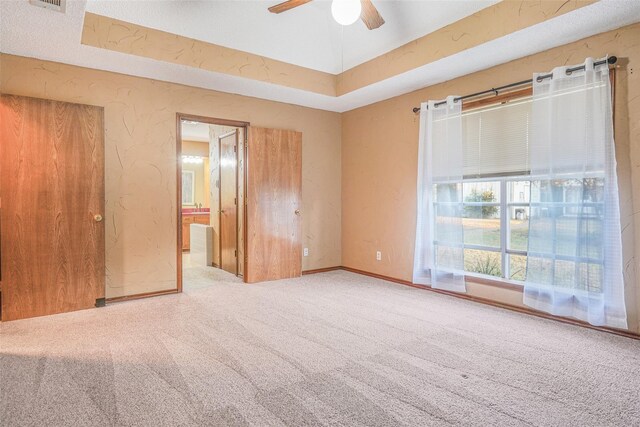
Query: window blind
[{"x": 495, "y": 139}]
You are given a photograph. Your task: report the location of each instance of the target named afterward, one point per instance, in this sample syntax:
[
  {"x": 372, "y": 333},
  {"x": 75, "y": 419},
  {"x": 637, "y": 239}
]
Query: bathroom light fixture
[
  {"x": 346, "y": 12},
  {"x": 192, "y": 159}
]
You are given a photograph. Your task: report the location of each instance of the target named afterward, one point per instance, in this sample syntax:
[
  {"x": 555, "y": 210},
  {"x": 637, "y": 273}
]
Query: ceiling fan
[{"x": 346, "y": 12}]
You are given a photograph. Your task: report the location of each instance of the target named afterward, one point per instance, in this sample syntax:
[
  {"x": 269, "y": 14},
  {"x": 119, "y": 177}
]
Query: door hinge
[
  {"x": 235, "y": 253},
  {"x": 101, "y": 302},
  {"x": 235, "y": 149},
  {"x": 235, "y": 201}
]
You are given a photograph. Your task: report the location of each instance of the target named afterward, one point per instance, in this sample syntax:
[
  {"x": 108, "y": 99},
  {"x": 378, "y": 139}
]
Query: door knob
[
  {"x": 97, "y": 217},
  {"x": 297, "y": 212}
]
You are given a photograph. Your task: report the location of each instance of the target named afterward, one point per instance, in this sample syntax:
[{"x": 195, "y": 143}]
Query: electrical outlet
[
  {"x": 378, "y": 256},
  {"x": 305, "y": 252}
]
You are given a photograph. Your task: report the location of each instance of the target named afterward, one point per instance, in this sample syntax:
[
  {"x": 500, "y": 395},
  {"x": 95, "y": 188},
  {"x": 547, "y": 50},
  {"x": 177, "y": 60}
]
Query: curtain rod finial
[{"x": 416, "y": 110}]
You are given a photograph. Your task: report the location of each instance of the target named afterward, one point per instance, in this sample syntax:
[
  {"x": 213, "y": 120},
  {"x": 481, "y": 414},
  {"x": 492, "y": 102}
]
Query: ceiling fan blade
[
  {"x": 370, "y": 15},
  {"x": 287, "y": 5}
]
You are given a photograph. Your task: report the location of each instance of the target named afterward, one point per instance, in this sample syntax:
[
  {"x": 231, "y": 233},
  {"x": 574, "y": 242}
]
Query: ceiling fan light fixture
[{"x": 346, "y": 12}]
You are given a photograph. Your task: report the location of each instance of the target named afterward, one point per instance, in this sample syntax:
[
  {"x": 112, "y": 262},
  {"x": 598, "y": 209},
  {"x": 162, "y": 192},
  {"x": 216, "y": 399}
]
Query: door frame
[{"x": 212, "y": 121}]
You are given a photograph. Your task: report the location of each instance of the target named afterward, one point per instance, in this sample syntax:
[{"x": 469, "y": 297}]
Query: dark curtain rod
[{"x": 495, "y": 90}]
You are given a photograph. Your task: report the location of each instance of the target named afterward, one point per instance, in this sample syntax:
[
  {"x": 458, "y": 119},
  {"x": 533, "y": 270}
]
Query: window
[
  {"x": 495, "y": 213},
  {"x": 526, "y": 191},
  {"x": 495, "y": 219},
  {"x": 570, "y": 225},
  {"x": 497, "y": 191}
]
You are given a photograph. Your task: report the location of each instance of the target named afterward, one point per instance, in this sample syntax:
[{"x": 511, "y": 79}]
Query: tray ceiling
[
  {"x": 307, "y": 36},
  {"x": 31, "y": 31}
]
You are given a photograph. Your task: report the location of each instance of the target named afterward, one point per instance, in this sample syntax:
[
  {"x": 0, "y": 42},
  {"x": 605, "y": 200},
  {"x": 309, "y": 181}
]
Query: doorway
[
  {"x": 210, "y": 200},
  {"x": 245, "y": 219}
]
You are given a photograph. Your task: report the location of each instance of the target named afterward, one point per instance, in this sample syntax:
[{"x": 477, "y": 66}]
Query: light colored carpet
[{"x": 326, "y": 349}]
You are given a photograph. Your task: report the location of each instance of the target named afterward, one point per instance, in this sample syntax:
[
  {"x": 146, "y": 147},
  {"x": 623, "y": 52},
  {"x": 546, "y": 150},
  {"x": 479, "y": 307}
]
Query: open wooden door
[
  {"x": 273, "y": 203},
  {"x": 52, "y": 195},
  {"x": 229, "y": 202}
]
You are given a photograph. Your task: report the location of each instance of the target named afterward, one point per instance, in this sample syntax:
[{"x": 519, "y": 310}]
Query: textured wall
[
  {"x": 108, "y": 33},
  {"x": 379, "y": 167},
  {"x": 140, "y": 156}
]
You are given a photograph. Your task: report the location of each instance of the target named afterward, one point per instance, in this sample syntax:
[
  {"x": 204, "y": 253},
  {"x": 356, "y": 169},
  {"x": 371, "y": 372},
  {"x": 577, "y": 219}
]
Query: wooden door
[
  {"x": 228, "y": 202},
  {"x": 52, "y": 195},
  {"x": 274, "y": 199},
  {"x": 241, "y": 159}
]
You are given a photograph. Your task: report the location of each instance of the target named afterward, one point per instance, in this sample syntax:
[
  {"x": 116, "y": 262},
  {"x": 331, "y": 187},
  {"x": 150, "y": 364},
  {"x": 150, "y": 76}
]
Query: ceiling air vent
[{"x": 57, "y": 5}]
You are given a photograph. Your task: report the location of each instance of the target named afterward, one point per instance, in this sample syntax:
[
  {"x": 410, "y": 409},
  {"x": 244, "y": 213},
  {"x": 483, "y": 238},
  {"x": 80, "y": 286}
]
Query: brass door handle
[{"x": 97, "y": 217}]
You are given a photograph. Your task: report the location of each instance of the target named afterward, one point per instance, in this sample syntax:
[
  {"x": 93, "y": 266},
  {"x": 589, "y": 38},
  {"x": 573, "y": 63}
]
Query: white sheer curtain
[
  {"x": 574, "y": 265},
  {"x": 439, "y": 252}
]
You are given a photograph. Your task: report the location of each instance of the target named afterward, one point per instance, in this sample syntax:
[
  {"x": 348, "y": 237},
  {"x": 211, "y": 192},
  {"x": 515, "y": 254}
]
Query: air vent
[{"x": 57, "y": 5}]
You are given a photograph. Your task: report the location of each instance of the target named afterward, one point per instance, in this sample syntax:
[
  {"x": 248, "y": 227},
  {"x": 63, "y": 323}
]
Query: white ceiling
[
  {"x": 195, "y": 131},
  {"x": 199, "y": 131},
  {"x": 307, "y": 35},
  {"x": 35, "y": 32}
]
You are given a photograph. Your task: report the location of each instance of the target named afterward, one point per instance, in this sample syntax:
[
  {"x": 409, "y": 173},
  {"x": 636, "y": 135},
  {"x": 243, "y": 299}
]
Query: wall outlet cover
[
  {"x": 305, "y": 252},
  {"x": 379, "y": 256}
]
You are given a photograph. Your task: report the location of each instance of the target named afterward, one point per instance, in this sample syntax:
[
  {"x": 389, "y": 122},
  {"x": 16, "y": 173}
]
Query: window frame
[
  {"x": 503, "y": 250},
  {"x": 505, "y": 226}
]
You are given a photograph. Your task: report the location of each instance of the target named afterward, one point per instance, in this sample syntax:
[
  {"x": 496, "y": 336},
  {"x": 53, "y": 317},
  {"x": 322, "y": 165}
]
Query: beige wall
[
  {"x": 195, "y": 148},
  {"x": 358, "y": 194},
  {"x": 140, "y": 157},
  {"x": 379, "y": 166}
]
